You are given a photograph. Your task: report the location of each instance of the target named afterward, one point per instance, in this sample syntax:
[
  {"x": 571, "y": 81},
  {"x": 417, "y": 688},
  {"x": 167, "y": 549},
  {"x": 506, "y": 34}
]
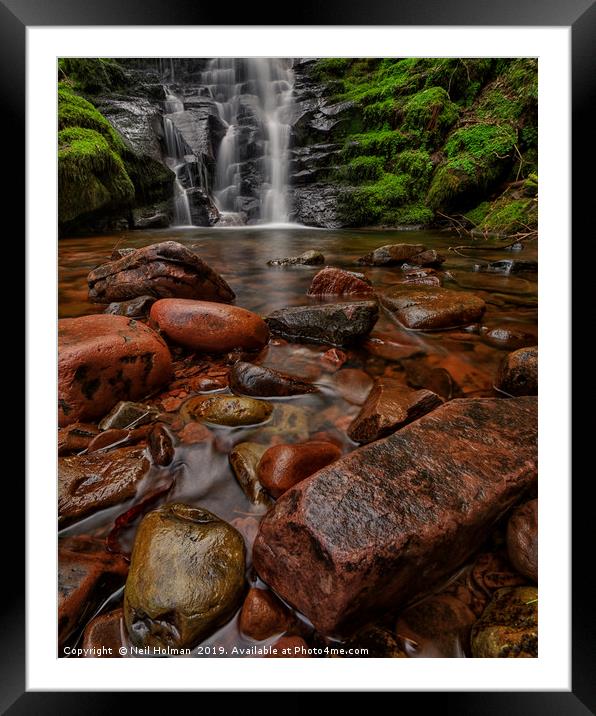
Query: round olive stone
[{"x": 229, "y": 410}]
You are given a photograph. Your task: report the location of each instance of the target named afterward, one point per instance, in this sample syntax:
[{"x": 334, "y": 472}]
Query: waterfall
[
  {"x": 176, "y": 159},
  {"x": 253, "y": 97}
]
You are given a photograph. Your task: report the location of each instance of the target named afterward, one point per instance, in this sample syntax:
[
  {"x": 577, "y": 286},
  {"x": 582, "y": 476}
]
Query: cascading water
[
  {"x": 253, "y": 97},
  {"x": 176, "y": 159}
]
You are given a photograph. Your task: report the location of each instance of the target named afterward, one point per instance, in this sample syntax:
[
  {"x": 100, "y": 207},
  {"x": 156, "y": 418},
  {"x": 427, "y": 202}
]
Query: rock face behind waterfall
[{"x": 390, "y": 520}]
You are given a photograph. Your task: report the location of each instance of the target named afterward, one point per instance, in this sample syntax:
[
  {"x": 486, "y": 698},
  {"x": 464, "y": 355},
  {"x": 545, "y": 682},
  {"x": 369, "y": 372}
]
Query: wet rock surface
[
  {"x": 522, "y": 539},
  {"x": 508, "y": 628},
  {"x": 209, "y": 327},
  {"x": 289, "y": 647},
  {"x": 87, "y": 575},
  {"x": 337, "y": 282},
  {"x": 126, "y": 414},
  {"x": 244, "y": 459},
  {"x": 390, "y": 405},
  {"x": 518, "y": 374},
  {"x": 75, "y": 438},
  {"x": 87, "y": 483},
  {"x": 283, "y": 466},
  {"x": 392, "y": 255},
  {"x": 163, "y": 270},
  {"x": 338, "y": 324},
  {"x": 104, "y": 359},
  {"x": 104, "y": 633},
  {"x": 263, "y": 615},
  {"x": 308, "y": 258},
  {"x": 256, "y": 380},
  {"x": 186, "y": 577},
  {"x": 229, "y": 410},
  {"x": 135, "y": 308},
  {"x": 341, "y": 544},
  {"x": 432, "y": 308}
]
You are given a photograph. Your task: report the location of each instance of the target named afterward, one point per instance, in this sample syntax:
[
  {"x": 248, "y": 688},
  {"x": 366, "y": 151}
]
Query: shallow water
[{"x": 201, "y": 472}]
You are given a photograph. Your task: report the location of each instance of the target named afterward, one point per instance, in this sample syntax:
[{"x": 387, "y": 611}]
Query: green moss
[
  {"x": 75, "y": 111},
  {"x": 431, "y": 111},
  {"x": 477, "y": 215},
  {"x": 365, "y": 168},
  {"x": 91, "y": 175},
  {"x": 385, "y": 143},
  {"x": 91, "y": 75}
]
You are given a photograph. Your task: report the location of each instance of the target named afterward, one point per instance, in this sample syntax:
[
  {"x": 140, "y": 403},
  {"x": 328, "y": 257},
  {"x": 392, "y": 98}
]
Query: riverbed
[{"x": 461, "y": 362}]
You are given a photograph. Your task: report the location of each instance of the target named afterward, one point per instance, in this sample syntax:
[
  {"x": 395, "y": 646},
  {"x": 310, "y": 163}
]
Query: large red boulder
[
  {"x": 428, "y": 308},
  {"x": 337, "y": 282},
  {"x": 392, "y": 519},
  {"x": 209, "y": 327},
  {"x": 104, "y": 359},
  {"x": 163, "y": 270}
]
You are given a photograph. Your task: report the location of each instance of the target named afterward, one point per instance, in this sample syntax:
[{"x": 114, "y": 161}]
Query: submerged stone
[
  {"x": 427, "y": 308},
  {"x": 228, "y": 410},
  {"x": 518, "y": 373},
  {"x": 308, "y": 258},
  {"x": 244, "y": 459},
  {"x": 256, "y": 380}
]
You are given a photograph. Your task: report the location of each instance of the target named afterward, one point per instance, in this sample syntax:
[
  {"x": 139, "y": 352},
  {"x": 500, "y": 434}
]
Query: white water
[
  {"x": 176, "y": 159},
  {"x": 261, "y": 87}
]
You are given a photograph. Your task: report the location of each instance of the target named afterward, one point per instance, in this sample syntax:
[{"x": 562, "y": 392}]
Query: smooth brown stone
[
  {"x": 389, "y": 521},
  {"x": 338, "y": 282},
  {"x": 390, "y": 405},
  {"x": 333, "y": 359},
  {"x": 289, "y": 647},
  {"x": 209, "y": 327},
  {"x": 195, "y": 433},
  {"x": 87, "y": 483},
  {"x": 107, "y": 438},
  {"x": 256, "y": 380},
  {"x": 231, "y": 410},
  {"x": 353, "y": 385},
  {"x": 161, "y": 446},
  {"x": 103, "y": 633},
  {"x": 186, "y": 577},
  {"x": 308, "y": 258},
  {"x": 438, "y": 380},
  {"x": 394, "y": 348},
  {"x": 391, "y": 254},
  {"x": 244, "y": 459},
  {"x": 508, "y": 627},
  {"x": 163, "y": 270},
  {"x": 507, "y": 338},
  {"x": 283, "y": 466},
  {"x": 427, "y": 308},
  {"x": 135, "y": 308},
  {"x": 518, "y": 374},
  {"x": 129, "y": 415},
  {"x": 522, "y": 539},
  {"x": 75, "y": 438},
  {"x": 430, "y": 257},
  {"x": 104, "y": 359},
  {"x": 87, "y": 575},
  {"x": 263, "y": 615}
]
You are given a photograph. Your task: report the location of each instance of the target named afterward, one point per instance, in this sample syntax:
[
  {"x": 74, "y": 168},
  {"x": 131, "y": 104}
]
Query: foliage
[{"x": 93, "y": 75}]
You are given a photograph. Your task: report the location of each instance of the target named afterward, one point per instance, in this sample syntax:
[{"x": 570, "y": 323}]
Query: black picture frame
[{"x": 579, "y": 15}]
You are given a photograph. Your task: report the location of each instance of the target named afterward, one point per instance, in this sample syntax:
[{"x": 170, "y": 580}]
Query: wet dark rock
[
  {"x": 209, "y": 327},
  {"x": 510, "y": 266},
  {"x": 369, "y": 532},
  {"x": 87, "y": 575},
  {"x": 162, "y": 270},
  {"x": 522, "y": 539},
  {"x": 508, "y": 338},
  {"x": 508, "y": 627},
  {"x": 333, "y": 359},
  {"x": 104, "y": 359},
  {"x": 148, "y": 218},
  {"x": 353, "y": 385},
  {"x": 75, "y": 437},
  {"x": 337, "y": 282},
  {"x": 186, "y": 577},
  {"x": 135, "y": 308},
  {"x": 317, "y": 205},
  {"x": 308, "y": 258},
  {"x": 263, "y": 615},
  {"x": 394, "y": 346},
  {"x": 390, "y": 405},
  {"x": 432, "y": 308},
  {"x": 228, "y": 410},
  {"x": 161, "y": 445},
  {"x": 283, "y": 466},
  {"x": 391, "y": 255},
  {"x": 289, "y": 647},
  {"x": 255, "y": 380},
  {"x": 87, "y": 483},
  {"x": 244, "y": 459},
  {"x": 518, "y": 374},
  {"x": 429, "y": 257},
  {"x": 439, "y": 380},
  {"x": 339, "y": 324},
  {"x": 127, "y": 414},
  {"x": 378, "y": 643},
  {"x": 103, "y": 633},
  {"x": 107, "y": 438}
]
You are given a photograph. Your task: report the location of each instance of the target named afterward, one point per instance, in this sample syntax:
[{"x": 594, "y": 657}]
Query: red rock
[
  {"x": 209, "y": 327},
  {"x": 390, "y": 520},
  {"x": 87, "y": 483},
  {"x": 333, "y": 359},
  {"x": 432, "y": 308},
  {"x": 430, "y": 257},
  {"x": 522, "y": 539},
  {"x": 163, "y": 270},
  {"x": 439, "y": 380},
  {"x": 507, "y": 338},
  {"x": 87, "y": 575},
  {"x": 75, "y": 438},
  {"x": 263, "y": 615},
  {"x": 492, "y": 571},
  {"x": 117, "y": 437},
  {"x": 337, "y": 282},
  {"x": 390, "y": 405},
  {"x": 103, "y": 636},
  {"x": 161, "y": 446},
  {"x": 289, "y": 647},
  {"x": 256, "y": 380},
  {"x": 391, "y": 254},
  {"x": 283, "y": 466},
  {"x": 393, "y": 347},
  {"x": 104, "y": 359},
  {"x": 518, "y": 374},
  {"x": 195, "y": 433},
  {"x": 353, "y": 385}
]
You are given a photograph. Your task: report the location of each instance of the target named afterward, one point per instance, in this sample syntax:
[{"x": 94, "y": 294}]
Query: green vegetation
[
  {"x": 93, "y": 75},
  {"x": 433, "y": 135}
]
